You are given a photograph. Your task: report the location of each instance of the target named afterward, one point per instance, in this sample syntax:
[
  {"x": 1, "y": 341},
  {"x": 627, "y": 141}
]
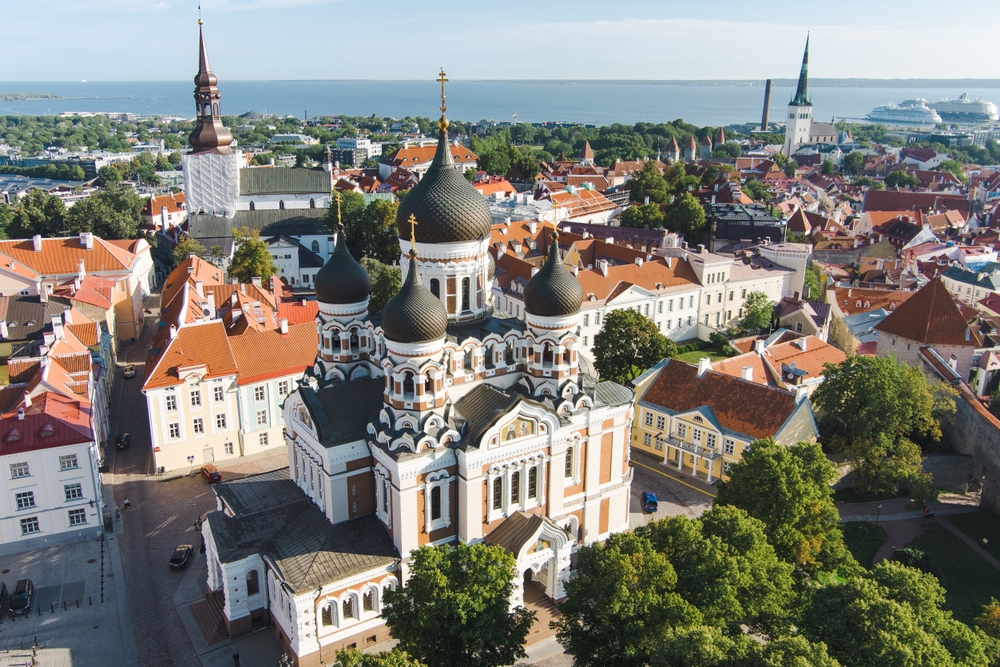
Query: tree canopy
[
  {"x": 251, "y": 257},
  {"x": 642, "y": 215},
  {"x": 35, "y": 213},
  {"x": 627, "y": 345},
  {"x": 186, "y": 247},
  {"x": 686, "y": 216},
  {"x": 853, "y": 163},
  {"x": 873, "y": 408},
  {"x": 112, "y": 213},
  {"x": 757, "y": 312},
  {"x": 454, "y": 609},
  {"x": 901, "y": 179},
  {"x": 647, "y": 182},
  {"x": 386, "y": 281}
]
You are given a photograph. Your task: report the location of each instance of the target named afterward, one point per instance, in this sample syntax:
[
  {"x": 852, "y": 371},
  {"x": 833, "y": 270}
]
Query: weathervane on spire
[
  {"x": 199, "y": 13},
  {"x": 442, "y": 79},
  {"x": 413, "y": 234},
  {"x": 340, "y": 224}
]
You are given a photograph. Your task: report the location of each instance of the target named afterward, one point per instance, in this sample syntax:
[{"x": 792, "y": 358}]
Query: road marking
[{"x": 660, "y": 472}]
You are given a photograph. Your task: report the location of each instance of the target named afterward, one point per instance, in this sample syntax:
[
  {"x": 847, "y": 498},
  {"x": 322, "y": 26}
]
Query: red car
[{"x": 211, "y": 473}]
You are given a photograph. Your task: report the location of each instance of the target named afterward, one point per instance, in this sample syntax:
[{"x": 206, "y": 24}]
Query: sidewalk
[
  {"x": 896, "y": 508},
  {"x": 644, "y": 459}
]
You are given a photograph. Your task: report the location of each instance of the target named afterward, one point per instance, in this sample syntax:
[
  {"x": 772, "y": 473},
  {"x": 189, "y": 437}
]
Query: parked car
[
  {"x": 130, "y": 371},
  {"x": 20, "y": 600},
  {"x": 182, "y": 556},
  {"x": 649, "y": 502},
  {"x": 123, "y": 441},
  {"x": 211, "y": 473}
]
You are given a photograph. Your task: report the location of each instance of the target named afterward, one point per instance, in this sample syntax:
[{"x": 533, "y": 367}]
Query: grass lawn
[
  {"x": 969, "y": 580},
  {"x": 693, "y": 357},
  {"x": 849, "y": 495},
  {"x": 862, "y": 539},
  {"x": 979, "y": 525}
]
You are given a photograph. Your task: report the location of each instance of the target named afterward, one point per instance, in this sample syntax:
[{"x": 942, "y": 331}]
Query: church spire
[
  {"x": 209, "y": 134},
  {"x": 801, "y": 98}
]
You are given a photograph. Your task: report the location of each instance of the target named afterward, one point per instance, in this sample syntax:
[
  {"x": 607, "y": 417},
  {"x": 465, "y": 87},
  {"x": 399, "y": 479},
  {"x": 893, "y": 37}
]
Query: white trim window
[
  {"x": 68, "y": 462},
  {"x": 195, "y": 398},
  {"x": 258, "y": 393},
  {"x": 78, "y": 517},
  {"x": 29, "y": 525},
  {"x": 262, "y": 418},
  {"x": 218, "y": 393},
  {"x": 696, "y": 436},
  {"x": 729, "y": 446},
  {"x": 73, "y": 492},
  {"x": 25, "y": 500},
  {"x": 710, "y": 440},
  {"x": 171, "y": 402},
  {"x": 19, "y": 470},
  {"x": 198, "y": 426},
  {"x": 649, "y": 418},
  {"x": 682, "y": 430},
  {"x": 661, "y": 422},
  {"x": 220, "y": 422},
  {"x": 283, "y": 388},
  {"x": 175, "y": 430},
  {"x": 437, "y": 501}
]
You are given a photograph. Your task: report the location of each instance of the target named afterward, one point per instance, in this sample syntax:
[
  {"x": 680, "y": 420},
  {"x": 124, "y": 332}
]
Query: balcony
[{"x": 690, "y": 448}]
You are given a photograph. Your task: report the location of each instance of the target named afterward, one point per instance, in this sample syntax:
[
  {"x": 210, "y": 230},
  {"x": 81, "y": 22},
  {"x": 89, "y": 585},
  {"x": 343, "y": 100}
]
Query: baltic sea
[{"x": 590, "y": 102}]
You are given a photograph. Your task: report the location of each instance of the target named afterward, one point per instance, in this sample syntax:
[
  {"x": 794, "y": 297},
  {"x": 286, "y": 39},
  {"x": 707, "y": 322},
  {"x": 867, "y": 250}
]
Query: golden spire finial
[
  {"x": 413, "y": 233},
  {"x": 442, "y": 79},
  {"x": 199, "y": 13},
  {"x": 340, "y": 223},
  {"x": 555, "y": 213}
]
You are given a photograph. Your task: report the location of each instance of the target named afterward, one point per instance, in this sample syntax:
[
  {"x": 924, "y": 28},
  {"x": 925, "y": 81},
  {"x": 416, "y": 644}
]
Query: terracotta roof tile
[
  {"x": 61, "y": 256},
  {"x": 744, "y": 407},
  {"x": 852, "y": 300},
  {"x": 52, "y": 420},
  {"x": 288, "y": 354},
  {"x": 195, "y": 345},
  {"x": 930, "y": 317}
]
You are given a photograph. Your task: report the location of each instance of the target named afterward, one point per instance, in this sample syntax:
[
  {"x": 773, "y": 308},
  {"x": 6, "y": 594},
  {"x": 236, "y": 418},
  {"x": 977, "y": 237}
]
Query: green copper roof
[{"x": 801, "y": 98}]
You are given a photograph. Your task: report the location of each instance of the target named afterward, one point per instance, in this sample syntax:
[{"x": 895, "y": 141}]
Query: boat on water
[
  {"x": 966, "y": 110},
  {"x": 911, "y": 112}
]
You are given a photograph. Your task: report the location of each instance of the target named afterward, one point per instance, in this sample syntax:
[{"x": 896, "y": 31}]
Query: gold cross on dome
[
  {"x": 340, "y": 224},
  {"x": 413, "y": 232},
  {"x": 442, "y": 79}
]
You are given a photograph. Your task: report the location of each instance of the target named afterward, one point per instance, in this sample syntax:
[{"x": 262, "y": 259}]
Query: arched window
[
  {"x": 253, "y": 207},
  {"x": 253, "y": 583},
  {"x": 354, "y": 340},
  {"x": 569, "y": 463},
  {"x": 348, "y": 607},
  {"x": 466, "y": 288},
  {"x": 408, "y": 386},
  {"x": 436, "y": 503},
  {"x": 368, "y": 600},
  {"x": 533, "y": 482},
  {"x": 312, "y": 203},
  {"x": 281, "y": 204},
  {"x": 428, "y": 385},
  {"x": 515, "y": 487},
  {"x": 508, "y": 353},
  {"x": 547, "y": 355},
  {"x": 436, "y": 287},
  {"x": 327, "y": 616},
  {"x": 498, "y": 493},
  {"x": 315, "y": 246},
  {"x": 215, "y": 109},
  {"x": 467, "y": 361}
]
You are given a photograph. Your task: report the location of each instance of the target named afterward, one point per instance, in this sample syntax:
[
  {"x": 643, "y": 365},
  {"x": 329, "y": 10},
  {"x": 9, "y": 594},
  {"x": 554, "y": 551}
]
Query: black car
[
  {"x": 20, "y": 600},
  {"x": 123, "y": 441},
  {"x": 182, "y": 557}
]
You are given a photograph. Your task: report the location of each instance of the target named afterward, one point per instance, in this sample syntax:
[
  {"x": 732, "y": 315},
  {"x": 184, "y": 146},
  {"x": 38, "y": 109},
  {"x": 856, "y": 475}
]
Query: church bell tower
[{"x": 799, "y": 123}]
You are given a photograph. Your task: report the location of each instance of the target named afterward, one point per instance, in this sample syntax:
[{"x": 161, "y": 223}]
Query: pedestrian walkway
[
  {"x": 983, "y": 553},
  {"x": 901, "y": 508},
  {"x": 898, "y": 534}
]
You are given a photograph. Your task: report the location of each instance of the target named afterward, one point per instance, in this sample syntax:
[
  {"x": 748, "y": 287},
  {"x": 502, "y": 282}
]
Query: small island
[{"x": 26, "y": 97}]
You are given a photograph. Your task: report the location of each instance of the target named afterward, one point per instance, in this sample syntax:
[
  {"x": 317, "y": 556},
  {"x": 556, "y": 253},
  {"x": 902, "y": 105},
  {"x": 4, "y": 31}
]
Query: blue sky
[{"x": 67, "y": 40}]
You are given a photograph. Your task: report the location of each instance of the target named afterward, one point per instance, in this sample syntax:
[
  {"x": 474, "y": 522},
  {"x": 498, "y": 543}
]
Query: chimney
[
  {"x": 758, "y": 346},
  {"x": 199, "y": 287},
  {"x": 576, "y": 270},
  {"x": 747, "y": 373},
  {"x": 796, "y": 295},
  {"x": 638, "y": 261},
  {"x": 57, "y": 327},
  {"x": 670, "y": 262},
  {"x": 256, "y": 281},
  {"x": 20, "y": 414},
  {"x": 3, "y": 328},
  {"x": 849, "y": 290},
  {"x": 173, "y": 332},
  {"x": 283, "y": 325},
  {"x": 704, "y": 364},
  {"x": 533, "y": 226},
  {"x": 701, "y": 248},
  {"x": 801, "y": 394},
  {"x": 68, "y": 315},
  {"x": 506, "y": 221},
  {"x": 953, "y": 362},
  {"x": 87, "y": 240},
  {"x": 602, "y": 266},
  {"x": 190, "y": 270},
  {"x": 27, "y": 399},
  {"x": 801, "y": 342},
  {"x": 36, "y": 242}
]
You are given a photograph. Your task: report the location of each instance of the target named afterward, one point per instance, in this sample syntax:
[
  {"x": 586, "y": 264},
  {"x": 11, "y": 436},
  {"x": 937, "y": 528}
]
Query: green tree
[
  {"x": 788, "y": 488},
  {"x": 37, "y": 213},
  {"x": 454, "y": 609},
  {"x": 386, "y": 281},
  {"x": 995, "y": 404},
  {"x": 112, "y": 213},
  {"x": 620, "y": 603},
  {"x": 372, "y": 232},
  {"x": 393, "y": 658},
  {"x": 780, "y": 159},
  {"x": 348, "y": 208},
  {"x": 790, "y": 168},
  {"x": 686, "y": 216},
  {"x": 642, "y": 215},
  {"x": 853, "y": 163},
  {"x": 647, "y": 182},
  {"x": 954, "y": 167},
  {"x": 757, "y": 312},
  {"x": 108, "y": 176},
  {"x": 251, "y": 258},
  {"x": 627, "y": 345},
  {"x": 900, "y": 179},
  {"x": 873, "y": 406},
  {"x": 727, "y": 569},
  {"x": 989, "y": 620},
  {"x": 866, "y": 182},
  {"x": 702, "y": 646},
  {"x": 470, "y": 174},
  {"x": 6, "y": 219},
  {"x": 793, "y": 652},
  {"x": 186, "y": 247},
  {"x": 755, "y": 189},
  {"x": 828, "y": 167}
]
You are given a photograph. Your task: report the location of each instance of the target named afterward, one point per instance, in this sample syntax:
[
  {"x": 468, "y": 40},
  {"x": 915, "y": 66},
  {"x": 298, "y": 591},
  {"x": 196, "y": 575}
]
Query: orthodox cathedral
[{"x": 435, "y": 421}]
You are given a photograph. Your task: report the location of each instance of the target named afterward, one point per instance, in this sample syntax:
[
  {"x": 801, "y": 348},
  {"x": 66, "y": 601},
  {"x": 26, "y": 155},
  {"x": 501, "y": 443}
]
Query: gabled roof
[
  {"x": 283, "y": 180},
  {"x": 52, "y": 420},
  {"x": 418, "y": 156},
  {"x": 61, "y": 256},
  {"x": 930, "y": 317},
  {"x": 754, "y": 410},
  {"x": 852, "y": 300},
  {"x": 287, "y": 354},
  {"x": 199, "y": 344}
]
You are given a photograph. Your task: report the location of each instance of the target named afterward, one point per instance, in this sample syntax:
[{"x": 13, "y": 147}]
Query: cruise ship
[
  {"x": 965, "y": 110},
  {"x": 911, "y": 112}
]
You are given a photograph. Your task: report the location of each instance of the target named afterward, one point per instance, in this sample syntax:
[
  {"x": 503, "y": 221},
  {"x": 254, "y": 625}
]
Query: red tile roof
[
  {"x": 853, "y": 300},
  {"x": 287, "y": 354},
  {"x": 930, "y": 317},
  {"x": 61, "y": 256},
  {"x": 745, "y": 407},
  {"x": 195, "y": 345},
  {"x": 52, "y": 420}
]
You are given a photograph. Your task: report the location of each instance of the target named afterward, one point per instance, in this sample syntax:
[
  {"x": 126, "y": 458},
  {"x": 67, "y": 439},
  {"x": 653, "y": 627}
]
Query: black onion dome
[
  {"x": 446, "y": 205},
  {"x": 342, "y": 279},
  {"x": 414, "y": 315},
  {"x": 553, "y": 291}
]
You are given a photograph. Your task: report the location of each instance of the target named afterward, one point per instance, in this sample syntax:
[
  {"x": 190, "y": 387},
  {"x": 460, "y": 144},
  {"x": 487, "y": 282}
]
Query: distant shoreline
[{"x": 27, "y": 97}]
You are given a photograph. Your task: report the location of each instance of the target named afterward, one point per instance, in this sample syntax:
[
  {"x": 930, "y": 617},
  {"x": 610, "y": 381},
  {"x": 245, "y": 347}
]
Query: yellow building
[{"x": 700, "y": 421}]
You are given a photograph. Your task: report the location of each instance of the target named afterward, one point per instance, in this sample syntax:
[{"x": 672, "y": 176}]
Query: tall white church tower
[
  {"x": 212, "y": 169},
  {"x": 800, "y": 110}
]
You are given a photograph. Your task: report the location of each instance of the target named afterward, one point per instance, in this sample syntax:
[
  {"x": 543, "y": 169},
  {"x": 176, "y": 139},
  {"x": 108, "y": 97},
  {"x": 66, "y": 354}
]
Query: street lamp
[{"x": 878, "y": 515}]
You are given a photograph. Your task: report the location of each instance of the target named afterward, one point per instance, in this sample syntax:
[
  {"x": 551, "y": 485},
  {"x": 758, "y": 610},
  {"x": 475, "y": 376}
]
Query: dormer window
[
  {"x": 14, "y": 435},
  {"x": 47, "y": 431}
]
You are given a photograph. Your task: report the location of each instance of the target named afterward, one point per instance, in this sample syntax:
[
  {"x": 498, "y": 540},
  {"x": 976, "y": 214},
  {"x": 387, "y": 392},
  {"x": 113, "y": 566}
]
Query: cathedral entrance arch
[{"x": 542, "y": 550}]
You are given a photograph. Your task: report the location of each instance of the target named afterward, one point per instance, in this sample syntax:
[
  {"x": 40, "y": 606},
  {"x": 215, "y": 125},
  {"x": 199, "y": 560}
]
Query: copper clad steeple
[{"x": 209, "y": 135}]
